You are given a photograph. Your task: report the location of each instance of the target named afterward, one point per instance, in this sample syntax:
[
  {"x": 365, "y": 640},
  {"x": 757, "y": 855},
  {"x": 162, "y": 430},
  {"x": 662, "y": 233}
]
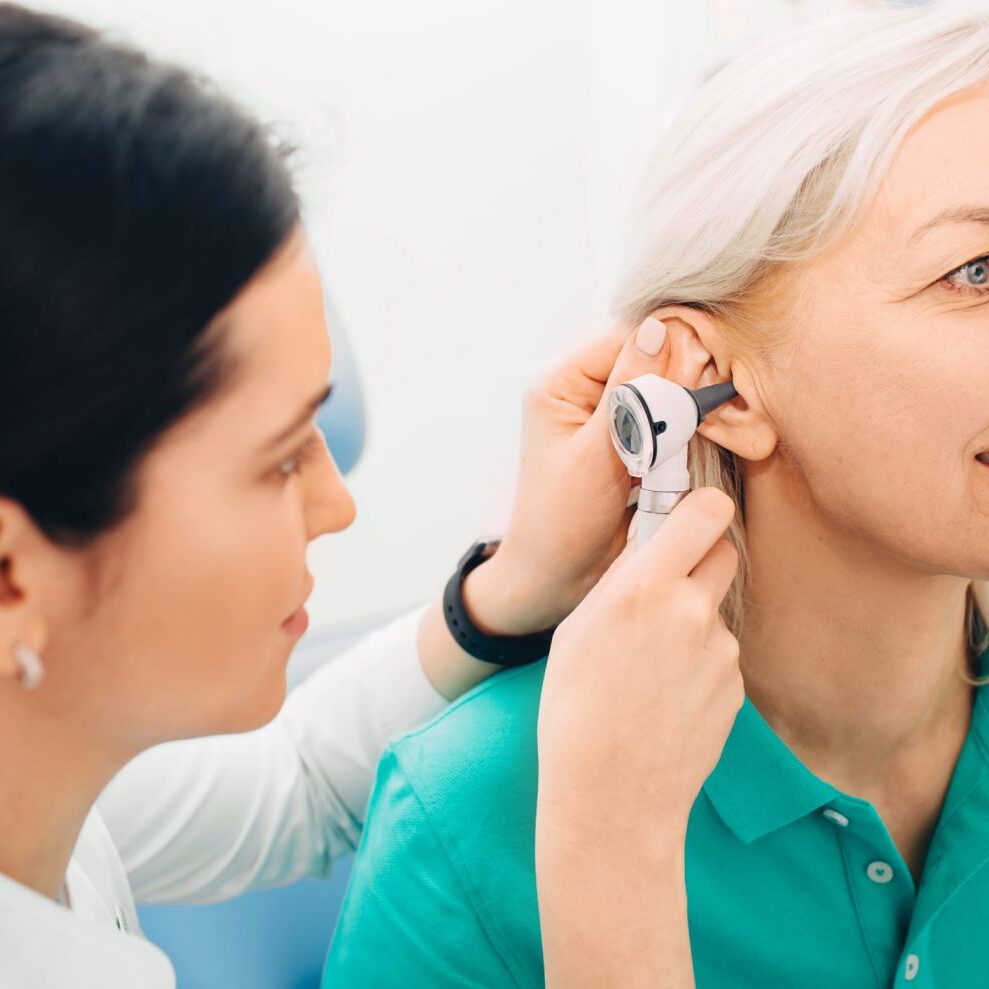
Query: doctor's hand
[
  {"x": 641, "y": 689},
  {"x": 571, "y": 514}
]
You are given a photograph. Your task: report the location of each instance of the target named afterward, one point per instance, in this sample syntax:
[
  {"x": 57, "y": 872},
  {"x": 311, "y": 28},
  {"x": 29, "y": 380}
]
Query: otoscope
[{"x": 652, "y": 420}]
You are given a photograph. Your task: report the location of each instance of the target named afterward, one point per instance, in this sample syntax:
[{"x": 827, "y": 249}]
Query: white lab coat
[{"x": 205, "y": 819}]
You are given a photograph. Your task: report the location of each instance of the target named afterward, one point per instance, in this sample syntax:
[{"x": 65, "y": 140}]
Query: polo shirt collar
[{"x": 759, "y": 784}]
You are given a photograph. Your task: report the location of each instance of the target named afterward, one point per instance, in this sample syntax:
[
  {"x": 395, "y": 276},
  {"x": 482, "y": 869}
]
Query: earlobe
[
  {"x": 22, "y": 636},
  {"x": 741, "y": 426},
  {"x": 22, "y": 641},
  {"x": 23, "y": 664},
  {"x": 23, "y": 630}
]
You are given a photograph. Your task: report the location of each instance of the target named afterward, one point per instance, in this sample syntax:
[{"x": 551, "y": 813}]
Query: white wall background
[{"x": 466, "y": 172}]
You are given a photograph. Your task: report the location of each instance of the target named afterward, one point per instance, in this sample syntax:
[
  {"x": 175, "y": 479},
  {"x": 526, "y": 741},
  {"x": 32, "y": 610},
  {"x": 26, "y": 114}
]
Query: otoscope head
[{"x": 653, "y": 418}]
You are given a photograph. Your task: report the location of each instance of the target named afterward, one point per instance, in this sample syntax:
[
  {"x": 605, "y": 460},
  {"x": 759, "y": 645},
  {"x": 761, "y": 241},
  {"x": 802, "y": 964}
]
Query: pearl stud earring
[{"x": 32, "y": 670}]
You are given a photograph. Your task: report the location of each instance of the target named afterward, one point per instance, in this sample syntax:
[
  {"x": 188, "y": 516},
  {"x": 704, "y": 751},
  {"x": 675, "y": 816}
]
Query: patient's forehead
[
  {"x": 939, "y": 165},
  {"x": 884, "y": 258}
]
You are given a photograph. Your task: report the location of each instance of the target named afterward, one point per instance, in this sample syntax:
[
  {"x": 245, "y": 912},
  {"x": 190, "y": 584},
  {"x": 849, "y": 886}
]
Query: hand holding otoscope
[{"x": 647, "y": 667}]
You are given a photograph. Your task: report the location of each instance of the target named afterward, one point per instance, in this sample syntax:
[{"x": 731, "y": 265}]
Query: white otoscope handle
[
  {"x": 653, "y": 510},
  {"x": 646, "y": 523}
]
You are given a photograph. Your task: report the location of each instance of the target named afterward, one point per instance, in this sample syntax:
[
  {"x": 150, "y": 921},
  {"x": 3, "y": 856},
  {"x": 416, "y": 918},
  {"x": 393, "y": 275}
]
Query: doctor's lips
[{"x": 298, "y": 621}]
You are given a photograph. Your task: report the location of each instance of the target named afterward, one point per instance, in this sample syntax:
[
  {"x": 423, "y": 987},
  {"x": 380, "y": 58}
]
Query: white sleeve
[{"x": 203, "y": 819}]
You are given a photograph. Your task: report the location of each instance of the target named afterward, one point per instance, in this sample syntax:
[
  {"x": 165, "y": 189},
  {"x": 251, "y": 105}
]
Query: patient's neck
[{"x": 852, "y": 656}]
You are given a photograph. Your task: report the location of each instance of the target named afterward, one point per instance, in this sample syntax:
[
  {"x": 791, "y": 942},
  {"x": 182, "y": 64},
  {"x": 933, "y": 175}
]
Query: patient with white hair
[{"x": 814, "y": 227}]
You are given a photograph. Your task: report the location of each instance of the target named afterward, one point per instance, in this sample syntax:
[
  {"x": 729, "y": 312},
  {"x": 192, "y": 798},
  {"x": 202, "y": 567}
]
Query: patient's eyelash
[
  {"x": 981, "y": 265},
  {"x": 307, "y": 452}
]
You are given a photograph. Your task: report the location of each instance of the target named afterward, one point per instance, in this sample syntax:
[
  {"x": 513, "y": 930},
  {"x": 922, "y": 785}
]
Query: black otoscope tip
[{"x": 711, "y": 397}]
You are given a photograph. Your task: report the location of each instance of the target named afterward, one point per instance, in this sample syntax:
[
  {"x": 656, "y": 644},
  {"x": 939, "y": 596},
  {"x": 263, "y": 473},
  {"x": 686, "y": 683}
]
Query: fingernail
[{"x": 650, "y": 336}]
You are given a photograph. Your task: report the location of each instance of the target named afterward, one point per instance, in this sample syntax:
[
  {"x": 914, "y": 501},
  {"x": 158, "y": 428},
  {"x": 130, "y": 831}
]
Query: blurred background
[{"x": 466, "y": 170}]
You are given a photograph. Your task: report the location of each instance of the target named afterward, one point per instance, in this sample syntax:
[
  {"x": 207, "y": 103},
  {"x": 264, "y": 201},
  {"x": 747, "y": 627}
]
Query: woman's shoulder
[
  {"x": 484, "y": 739},
  {"x": 444, "y": 882}
]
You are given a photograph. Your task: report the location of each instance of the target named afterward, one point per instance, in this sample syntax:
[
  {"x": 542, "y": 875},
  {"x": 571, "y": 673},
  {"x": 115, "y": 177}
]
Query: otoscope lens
[{"x": 627, "y": 430}]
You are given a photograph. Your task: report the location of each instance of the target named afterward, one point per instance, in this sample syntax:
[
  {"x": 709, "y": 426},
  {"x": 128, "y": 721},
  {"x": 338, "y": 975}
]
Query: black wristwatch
[{"x": 505, "y": 650}]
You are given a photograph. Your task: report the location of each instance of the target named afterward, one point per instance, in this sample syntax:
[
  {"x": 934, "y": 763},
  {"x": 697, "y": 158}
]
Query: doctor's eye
[{"x": 306, "y": 453}]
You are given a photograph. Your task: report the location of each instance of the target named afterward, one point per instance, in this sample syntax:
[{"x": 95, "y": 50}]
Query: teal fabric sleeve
[{"x": 408, "y": 920}]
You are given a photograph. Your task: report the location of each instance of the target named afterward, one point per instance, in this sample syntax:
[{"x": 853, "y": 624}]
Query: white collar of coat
[{"x": 44, "y": 944}]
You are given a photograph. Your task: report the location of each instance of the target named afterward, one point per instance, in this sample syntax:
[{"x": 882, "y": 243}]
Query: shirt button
[
  {"x": 879, "y": 872},
  {"x": 836, "y": 817},
  {"x": 911, "y": 968}
]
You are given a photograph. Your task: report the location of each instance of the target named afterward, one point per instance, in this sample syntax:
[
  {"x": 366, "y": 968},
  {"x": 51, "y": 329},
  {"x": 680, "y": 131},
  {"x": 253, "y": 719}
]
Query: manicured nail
[{"x": 650, "y": 336}]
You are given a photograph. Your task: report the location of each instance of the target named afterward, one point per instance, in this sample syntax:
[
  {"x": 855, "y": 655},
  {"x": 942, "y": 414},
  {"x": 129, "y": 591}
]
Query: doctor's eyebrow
[
  {"x": 296, "y": 423},
  {"x": 954, "y": 214}
]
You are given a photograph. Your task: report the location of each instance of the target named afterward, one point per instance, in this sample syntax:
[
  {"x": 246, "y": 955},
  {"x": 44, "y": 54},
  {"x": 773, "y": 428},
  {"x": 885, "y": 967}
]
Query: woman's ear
[{"x": 699, "y": 356}]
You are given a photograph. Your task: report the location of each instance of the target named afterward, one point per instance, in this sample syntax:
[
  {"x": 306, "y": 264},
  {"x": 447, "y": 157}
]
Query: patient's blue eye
[{"x": 979, "y": 273}]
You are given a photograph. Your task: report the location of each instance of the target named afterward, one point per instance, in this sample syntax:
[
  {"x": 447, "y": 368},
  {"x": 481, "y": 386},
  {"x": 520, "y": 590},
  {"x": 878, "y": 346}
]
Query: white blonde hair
[{"x": 772, "y": 160}]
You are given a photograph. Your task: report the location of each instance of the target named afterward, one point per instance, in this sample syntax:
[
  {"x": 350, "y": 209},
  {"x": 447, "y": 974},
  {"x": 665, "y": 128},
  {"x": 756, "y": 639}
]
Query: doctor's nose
[{"x": 330, "y": 507}]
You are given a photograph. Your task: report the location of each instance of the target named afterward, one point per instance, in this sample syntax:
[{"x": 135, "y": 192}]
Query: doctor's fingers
[
  {"x": 686, "y": 537},
  {"x": 584, "y": 375},
  {"x": 717, "y": 571},
  {"x": 677, "y": 550}
]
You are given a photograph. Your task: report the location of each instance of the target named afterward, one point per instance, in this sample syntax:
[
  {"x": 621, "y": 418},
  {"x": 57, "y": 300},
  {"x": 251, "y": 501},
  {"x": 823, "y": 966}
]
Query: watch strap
[{"x": 503, "y": 650}]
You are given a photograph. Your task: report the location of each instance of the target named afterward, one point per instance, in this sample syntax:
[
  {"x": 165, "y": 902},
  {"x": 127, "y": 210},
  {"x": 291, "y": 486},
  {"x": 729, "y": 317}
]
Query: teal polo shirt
[{"x": 791, "y": 883}]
